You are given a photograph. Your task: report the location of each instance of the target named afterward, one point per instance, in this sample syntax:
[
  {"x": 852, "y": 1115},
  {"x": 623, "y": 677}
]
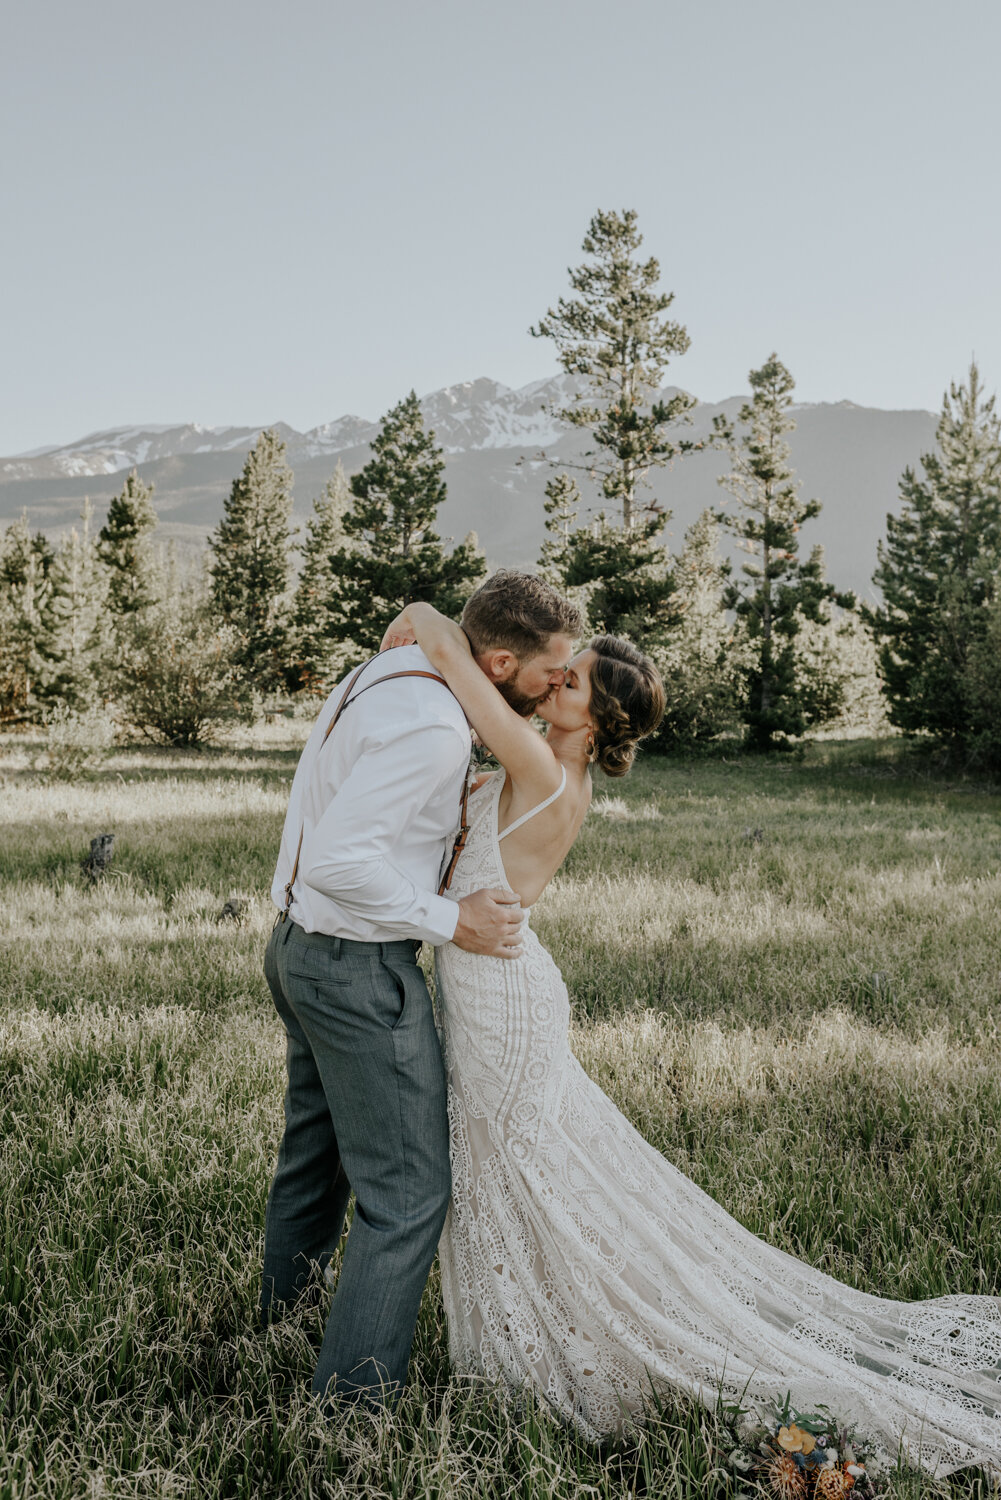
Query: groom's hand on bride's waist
[{"x": 490, "y": 922}]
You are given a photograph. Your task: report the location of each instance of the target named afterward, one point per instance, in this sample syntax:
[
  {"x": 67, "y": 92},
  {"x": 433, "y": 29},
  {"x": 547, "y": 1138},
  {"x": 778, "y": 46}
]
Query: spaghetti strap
[{"x": 533, "y": 810}]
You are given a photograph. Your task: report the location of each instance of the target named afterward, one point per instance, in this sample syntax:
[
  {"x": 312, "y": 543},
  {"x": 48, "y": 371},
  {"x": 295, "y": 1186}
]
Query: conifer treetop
[
  {"x": 73, "y": 635},
  {"x": 401, "y": 487},
  {"x": 397, "y": 555},
  {"x": 778, "y": 590},
  {"x": 124, "y": 546},
  {"x": 251, "y": 565},
  {"x": 615, "y": 332},
  {"x": 938, "y": 566}
]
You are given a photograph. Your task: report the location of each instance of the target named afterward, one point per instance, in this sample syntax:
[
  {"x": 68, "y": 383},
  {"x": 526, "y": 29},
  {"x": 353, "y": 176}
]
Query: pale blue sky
[{"x": 253, "y": 212}]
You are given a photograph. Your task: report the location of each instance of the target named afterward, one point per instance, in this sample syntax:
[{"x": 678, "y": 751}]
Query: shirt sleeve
[{"x": 348, "y": 855}]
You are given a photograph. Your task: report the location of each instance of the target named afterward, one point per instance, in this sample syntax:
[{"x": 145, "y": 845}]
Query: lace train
[{"x": 578, "y": 1259}]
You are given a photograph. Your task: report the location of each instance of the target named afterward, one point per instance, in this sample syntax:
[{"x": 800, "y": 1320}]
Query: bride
[{"x": 576, "y": 1258}]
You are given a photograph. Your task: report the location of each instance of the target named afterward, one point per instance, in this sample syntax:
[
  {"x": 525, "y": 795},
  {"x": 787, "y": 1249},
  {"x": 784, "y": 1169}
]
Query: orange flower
[{"x": 794, "y": 1440}]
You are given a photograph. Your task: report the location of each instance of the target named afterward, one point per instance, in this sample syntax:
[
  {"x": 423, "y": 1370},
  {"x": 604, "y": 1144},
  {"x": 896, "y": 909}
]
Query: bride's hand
[{"x": 400, "y": 632}]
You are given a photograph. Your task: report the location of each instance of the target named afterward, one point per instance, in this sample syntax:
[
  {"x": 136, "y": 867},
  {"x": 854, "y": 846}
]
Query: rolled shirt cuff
[{"x": 442, "y": 920}]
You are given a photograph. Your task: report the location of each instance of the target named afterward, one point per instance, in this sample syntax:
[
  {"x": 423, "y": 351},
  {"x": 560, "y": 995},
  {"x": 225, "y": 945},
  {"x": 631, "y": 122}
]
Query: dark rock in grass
[
  {"x": 233, "y": 910},
  {"x": 754, "y": 835},
  {"x": 102, "y": 852}
]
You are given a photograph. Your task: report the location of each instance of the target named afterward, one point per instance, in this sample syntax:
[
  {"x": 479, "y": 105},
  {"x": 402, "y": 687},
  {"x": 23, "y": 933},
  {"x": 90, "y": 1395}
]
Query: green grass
[{"x": 784, "y": 972}]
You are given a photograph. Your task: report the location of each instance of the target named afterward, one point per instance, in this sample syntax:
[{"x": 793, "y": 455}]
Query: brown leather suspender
[
  {"x": 345, "y": 701},
  {"x": 460, "y": 838}
]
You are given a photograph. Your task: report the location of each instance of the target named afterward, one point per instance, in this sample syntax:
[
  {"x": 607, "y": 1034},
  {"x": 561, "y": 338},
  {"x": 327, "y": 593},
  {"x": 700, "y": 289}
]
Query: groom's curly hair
[{"x": 517, "y": 612}]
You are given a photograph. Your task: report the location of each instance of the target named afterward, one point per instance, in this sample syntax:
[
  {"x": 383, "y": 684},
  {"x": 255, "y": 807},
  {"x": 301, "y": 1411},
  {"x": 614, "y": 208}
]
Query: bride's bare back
[{"x": 532, "y": 853}]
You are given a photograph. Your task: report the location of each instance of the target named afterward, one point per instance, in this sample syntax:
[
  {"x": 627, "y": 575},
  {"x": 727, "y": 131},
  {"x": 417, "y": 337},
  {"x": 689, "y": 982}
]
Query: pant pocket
[
  {"x": 398, "y": 982},
  {"x": 411, "y": 990}
]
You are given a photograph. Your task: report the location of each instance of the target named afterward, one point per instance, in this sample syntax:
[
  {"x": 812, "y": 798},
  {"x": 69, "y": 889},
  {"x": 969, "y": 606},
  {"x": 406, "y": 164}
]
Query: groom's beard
[{"x": 522, "y": 703}]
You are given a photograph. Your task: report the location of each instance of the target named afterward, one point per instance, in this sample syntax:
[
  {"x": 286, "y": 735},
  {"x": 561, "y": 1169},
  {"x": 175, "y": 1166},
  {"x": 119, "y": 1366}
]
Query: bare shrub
[
  {"x": 77, "y": 742},
  {"x": 176, "y": 676}
]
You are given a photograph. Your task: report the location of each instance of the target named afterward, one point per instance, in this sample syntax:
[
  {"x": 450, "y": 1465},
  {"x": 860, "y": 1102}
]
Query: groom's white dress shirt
[{"x": 379, "y": 805}]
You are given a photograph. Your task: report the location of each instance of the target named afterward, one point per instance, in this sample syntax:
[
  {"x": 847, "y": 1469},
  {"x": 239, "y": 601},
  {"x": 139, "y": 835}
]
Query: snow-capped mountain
[
  {"x": 125, "y": 448},
  {"x": 476, "y": 414},
  {"x": 850, "y": 457}
]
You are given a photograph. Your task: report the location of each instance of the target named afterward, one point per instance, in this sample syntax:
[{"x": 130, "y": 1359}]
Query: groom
[{"x": 372, "y": 811}]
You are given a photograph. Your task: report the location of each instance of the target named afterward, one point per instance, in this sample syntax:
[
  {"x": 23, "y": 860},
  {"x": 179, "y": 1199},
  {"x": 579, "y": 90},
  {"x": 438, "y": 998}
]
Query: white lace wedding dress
[{"x": 577, "y": 1259}]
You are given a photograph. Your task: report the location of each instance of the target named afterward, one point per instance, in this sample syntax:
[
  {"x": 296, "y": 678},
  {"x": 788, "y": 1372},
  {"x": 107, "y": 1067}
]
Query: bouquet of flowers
[{"x": 804, "y": 1456}]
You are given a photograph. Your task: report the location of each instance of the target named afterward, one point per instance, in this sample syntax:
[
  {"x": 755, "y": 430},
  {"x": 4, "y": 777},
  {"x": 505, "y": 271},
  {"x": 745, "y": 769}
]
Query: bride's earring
[{"x": 589, "y": 744}]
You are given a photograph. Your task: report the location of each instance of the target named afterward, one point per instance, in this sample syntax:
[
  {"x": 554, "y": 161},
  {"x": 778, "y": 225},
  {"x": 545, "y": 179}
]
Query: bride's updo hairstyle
[{"x": 627, "y": 702}]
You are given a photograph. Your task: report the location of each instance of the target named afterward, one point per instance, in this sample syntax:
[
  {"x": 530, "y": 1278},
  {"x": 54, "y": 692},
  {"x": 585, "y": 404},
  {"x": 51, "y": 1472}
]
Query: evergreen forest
[{"x": 107, "y": 634}]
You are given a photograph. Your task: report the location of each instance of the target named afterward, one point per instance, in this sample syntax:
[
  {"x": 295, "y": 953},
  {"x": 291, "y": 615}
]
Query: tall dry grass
[{"x": 784, "y": 973}]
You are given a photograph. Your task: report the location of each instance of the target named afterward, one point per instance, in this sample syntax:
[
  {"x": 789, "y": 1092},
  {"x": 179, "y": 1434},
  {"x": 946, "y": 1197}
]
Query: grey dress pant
[{"x": 365, "y": 1110}]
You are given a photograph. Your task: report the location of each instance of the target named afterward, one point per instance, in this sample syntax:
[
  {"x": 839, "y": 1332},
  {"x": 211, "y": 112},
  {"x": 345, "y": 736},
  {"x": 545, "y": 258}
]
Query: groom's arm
[{"x": 348, "y": 857}]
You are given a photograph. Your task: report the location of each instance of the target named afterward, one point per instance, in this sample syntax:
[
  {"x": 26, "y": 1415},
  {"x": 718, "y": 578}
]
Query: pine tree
[
  {"x": 320, "y": 660},
  {"x": 561, "y": 505},
  {"x": 25, "y": 564},
  {"x": 396, "y": 555},
  {"x": 625, "y": 577},
  {"x": 125, "y": 546},
  {"x": 838, "y": 672},
  {"x": 936, "y": 565},
  {"x": 615, "y": 334},
  {"x": 704, "y": 657},
  {"x": 250, "y": 565},
  {"x": 778, "y": 590},
  {"x": 981, "y": 683},
  {"x": 74, "y": 629}
]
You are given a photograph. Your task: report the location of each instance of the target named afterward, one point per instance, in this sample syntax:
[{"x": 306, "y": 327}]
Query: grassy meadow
[{"x": 784, "y": 971}]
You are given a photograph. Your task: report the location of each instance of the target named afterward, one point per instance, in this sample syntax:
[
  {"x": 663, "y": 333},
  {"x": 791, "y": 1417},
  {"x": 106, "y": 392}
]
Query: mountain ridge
[
  {"x": 500, "y": 446},
  {"x": 443, "y": 411}
]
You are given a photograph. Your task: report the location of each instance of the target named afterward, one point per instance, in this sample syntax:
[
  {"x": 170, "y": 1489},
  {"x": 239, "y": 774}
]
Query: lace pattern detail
[{"x": 578, "y": 1259}]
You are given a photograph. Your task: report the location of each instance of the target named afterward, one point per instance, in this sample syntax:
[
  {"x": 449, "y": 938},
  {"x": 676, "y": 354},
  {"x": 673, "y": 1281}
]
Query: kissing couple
[{"x": 575, "y": 1259}]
